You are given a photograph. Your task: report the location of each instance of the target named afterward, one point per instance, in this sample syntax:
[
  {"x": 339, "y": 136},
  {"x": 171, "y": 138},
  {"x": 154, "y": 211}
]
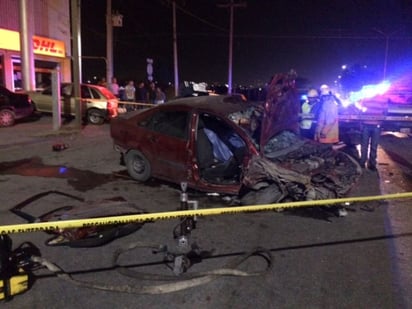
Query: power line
[{"x": 202, "y": 20}]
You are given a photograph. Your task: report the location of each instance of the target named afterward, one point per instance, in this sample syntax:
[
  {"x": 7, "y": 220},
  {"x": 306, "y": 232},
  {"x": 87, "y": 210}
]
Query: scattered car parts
[{"x": 90, "y": 236}]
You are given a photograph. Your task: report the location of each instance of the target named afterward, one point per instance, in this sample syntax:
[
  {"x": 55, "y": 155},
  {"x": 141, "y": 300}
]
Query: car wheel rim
[
  {"x": 138, "y": 165},
  {"x": 94, "y": 118},
  {"x": 6, "y": 119}
]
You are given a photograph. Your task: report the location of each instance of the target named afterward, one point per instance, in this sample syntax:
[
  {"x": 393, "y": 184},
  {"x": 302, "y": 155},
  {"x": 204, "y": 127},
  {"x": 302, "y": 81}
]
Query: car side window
[
  {"x": 85, "y": 93},
  {"x": 95, "y": 94},
  {"x": 171, "y": 123},
  {"x": 224, "y": 134},
  {"x": 47, "y": 91}
]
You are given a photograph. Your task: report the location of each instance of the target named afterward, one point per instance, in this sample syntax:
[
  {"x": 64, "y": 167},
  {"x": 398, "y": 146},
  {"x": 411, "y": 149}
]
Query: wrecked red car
[{"x": 227, "y": 145}]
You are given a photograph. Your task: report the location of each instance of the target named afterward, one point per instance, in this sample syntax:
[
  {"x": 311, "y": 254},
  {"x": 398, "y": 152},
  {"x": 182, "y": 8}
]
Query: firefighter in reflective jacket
[
  {"x": 327, "y": 129},
  {"x": 310, "y": 113}
]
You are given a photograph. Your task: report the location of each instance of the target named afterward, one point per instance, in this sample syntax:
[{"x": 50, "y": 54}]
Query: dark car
[
  {"x": 13, "y": 106},
  {"x": 226, "y": 145}
]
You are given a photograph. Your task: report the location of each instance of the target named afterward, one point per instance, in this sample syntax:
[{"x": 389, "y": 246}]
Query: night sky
[{"x": 313, "y": 37}]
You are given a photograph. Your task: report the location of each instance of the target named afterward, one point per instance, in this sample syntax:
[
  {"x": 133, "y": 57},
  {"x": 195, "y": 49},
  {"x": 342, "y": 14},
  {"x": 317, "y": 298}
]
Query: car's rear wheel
[
  {"x": 7, "y": 118},
  {"x": 138, "y": 166},
  {"x": 95, "y": 116}
]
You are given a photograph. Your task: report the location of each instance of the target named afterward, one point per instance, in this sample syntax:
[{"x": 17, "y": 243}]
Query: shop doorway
[{"x": 42, "y": 70}]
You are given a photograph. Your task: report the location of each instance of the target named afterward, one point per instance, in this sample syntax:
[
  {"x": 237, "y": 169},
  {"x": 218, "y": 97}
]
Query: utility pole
[
  {"x": 76, "y": 53},
  {"x": 26, "y": 43},
  {"x": 109, "y": 42},
  {"x": 175, "y": 50},
  {"x": 231, "y": 5}
]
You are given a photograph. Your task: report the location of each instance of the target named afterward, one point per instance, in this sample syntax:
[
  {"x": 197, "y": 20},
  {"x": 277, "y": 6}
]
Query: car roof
[
  {"x": 84, "y": 84},
  {"x": 103, "y": 90}
]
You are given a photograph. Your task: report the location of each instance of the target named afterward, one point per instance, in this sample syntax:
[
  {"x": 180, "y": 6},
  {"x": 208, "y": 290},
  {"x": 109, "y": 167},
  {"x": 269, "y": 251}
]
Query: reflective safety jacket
[{"x": 327, "y": 129}]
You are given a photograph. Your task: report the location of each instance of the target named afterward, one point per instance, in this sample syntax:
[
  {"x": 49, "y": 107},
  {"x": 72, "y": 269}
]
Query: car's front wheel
[
  {"x": 95, "y": 116},
  {"x": 138, "y": 166},
  {"x": 7, "y": 118}
]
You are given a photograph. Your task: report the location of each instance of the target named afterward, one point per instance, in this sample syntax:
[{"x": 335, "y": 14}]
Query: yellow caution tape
[
  {"x": 136, "y": 103},
  {"x": 82, "y": 223}
]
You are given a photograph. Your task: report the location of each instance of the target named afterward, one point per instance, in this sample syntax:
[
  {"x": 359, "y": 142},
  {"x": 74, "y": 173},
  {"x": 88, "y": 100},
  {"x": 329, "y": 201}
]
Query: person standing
[
  {"x": 327, "y": 129},
  {"x": 152, "y": 92},
  {"x": 102, "y": 82},
  {"x": 371, "y": 132},
  {"x": 160, "y": 96},
  {"x": 141, "y": 93},
  {"x": 114, "y": 87},
  {"x": 310, "y": 113},
  {"x": 130, "y": 94}
]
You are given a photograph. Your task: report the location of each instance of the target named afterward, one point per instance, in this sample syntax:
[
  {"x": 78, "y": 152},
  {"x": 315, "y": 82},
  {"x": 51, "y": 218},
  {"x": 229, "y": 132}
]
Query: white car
[{"x": 98, "y": 103}]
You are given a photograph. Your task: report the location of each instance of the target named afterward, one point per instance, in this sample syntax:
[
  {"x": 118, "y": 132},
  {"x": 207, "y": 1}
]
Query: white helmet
[
  {"x": 324, "y": 90},
  {"x": 312, "y": 93}
]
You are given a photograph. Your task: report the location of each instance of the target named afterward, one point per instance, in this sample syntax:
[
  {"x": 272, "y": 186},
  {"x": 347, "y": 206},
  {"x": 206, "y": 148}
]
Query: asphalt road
[{"x": 319, "y": 260}]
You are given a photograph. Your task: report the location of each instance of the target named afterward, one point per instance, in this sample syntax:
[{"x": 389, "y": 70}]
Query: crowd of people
[
  {"x": 147, "y": 93},
  {"x": 320, "y": 122}
]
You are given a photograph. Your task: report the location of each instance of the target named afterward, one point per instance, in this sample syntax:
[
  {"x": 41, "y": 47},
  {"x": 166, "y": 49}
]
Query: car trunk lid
[{"x": 281, "y": 109}]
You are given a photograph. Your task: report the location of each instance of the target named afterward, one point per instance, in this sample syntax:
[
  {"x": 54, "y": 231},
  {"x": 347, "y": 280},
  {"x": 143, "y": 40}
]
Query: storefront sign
[
  {"x": 10, "y": 40},
  {"x": 49, "y": 47}
]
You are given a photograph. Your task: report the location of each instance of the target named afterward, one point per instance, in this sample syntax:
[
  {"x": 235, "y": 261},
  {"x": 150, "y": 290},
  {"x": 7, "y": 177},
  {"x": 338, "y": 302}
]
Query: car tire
[
  {"x": 138, "y": 166},
  {"x": 34, "y": 106},
  {"x": 268, "y": 195},
  {"x": 95, "y": 116},
  {"x": 7, "y": 118}
]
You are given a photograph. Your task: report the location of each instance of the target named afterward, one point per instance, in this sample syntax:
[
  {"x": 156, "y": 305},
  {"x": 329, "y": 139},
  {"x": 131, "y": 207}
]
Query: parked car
[
  {"x": 98, "y": 103},
  {"x": 13, "y": 106},
  {"x": 227, "y": 145}
]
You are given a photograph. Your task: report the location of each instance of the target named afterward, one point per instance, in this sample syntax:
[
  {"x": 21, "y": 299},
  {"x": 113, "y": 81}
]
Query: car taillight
[{"x": 112, "y": 108}]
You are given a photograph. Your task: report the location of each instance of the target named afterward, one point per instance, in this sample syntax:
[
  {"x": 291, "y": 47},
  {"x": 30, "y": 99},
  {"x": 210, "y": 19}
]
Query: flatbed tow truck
[{"x": 398, "y": 118}]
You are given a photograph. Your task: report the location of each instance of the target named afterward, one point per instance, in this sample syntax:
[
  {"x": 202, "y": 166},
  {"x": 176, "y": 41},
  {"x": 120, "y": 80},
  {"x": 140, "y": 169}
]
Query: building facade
[{"x": 49, "y": 23}]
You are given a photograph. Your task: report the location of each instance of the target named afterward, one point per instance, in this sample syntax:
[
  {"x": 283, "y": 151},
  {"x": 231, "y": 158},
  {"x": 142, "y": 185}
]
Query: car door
[
  {"x": 67, "y": 100},
  {"x": 43, "y": 100},
  {"x": 168, "y": 144}
]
